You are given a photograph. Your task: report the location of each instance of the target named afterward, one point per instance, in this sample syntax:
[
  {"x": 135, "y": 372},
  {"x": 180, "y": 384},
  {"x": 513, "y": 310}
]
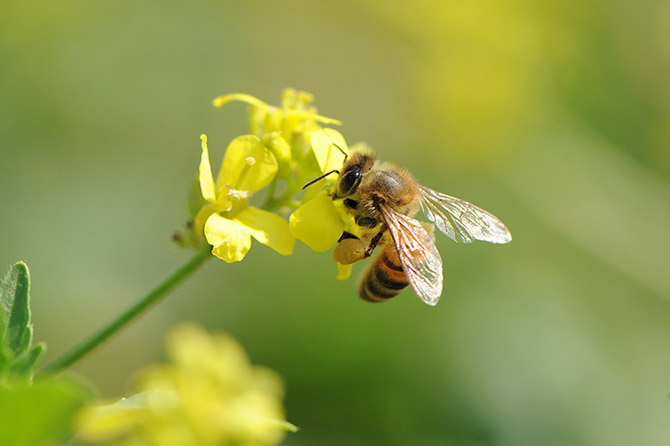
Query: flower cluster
[
  {"x": 207, "y": 394},
  {"x": 288, "y": 147}
]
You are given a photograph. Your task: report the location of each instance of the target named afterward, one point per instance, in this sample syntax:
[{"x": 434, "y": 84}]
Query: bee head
[{"x": 356, "y": 165}]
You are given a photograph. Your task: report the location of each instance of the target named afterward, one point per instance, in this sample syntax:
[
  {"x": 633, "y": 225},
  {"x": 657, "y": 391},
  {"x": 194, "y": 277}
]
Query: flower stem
[
  {"x": 272, "y": 204},
  {"x": 126, "y": 317},
  {"x": 271, "y": 190}
]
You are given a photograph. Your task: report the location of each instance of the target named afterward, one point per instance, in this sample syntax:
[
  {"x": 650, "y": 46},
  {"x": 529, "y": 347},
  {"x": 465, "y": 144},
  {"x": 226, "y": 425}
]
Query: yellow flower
[
  {"x": 284, "y": 129},
  {"x": 227, "y": 221},
  {"x": 207, "y": 394}
]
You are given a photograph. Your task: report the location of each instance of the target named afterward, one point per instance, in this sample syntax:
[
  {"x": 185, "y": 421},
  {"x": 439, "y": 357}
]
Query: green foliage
[
  {"x": 15, "y": 317},
  {"x": 31, "y": 414},
  {"x": 17, "y": 358},
  {"x": 41, "y": 413}
]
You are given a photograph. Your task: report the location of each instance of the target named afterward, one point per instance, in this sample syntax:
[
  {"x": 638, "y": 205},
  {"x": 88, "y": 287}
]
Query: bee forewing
[
  {"x": 462, "y": 221},
  {"x": 417, "y": 252}
]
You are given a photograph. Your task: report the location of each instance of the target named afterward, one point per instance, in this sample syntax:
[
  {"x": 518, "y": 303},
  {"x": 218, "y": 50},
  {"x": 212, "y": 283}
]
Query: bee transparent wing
[
  {"x": 417, "y": 252},
  {"x": 462, "y": 221}
]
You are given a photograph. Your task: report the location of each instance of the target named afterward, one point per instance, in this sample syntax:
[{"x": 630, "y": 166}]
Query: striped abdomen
[{"x": 385, "y": 278}]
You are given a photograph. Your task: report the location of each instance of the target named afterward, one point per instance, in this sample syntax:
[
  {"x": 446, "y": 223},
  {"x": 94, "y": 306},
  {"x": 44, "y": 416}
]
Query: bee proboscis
[{"x": 384, "y": 198}]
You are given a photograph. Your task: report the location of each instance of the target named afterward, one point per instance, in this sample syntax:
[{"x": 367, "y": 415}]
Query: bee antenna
[
  {"x": 340, "y": 149},
  {"x": 320, "y": 178}
]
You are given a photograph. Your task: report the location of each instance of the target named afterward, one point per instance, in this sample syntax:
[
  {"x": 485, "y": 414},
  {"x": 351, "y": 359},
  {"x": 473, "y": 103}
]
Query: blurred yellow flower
[
  {"x": 207, "y": 394},
  {"x": 227, "y": 221}
]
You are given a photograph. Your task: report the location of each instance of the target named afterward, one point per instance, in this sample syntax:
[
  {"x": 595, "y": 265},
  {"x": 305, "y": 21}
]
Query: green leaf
[
  {"x": 24, "y": 365},
  {"x": 41, "y": 414},
  {"x": 15, "y": 330},
  {"x": 286, "y": 426},
  {"x": 6, "y": 358}
]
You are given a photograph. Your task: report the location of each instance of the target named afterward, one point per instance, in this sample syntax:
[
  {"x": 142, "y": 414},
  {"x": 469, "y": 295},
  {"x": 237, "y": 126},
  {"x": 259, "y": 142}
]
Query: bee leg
[
  {"x": 349, "y": 250},
  {"x": 375, "y": 241}
]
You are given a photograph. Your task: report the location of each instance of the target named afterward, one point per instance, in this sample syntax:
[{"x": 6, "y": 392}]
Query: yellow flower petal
[
  {"x": 191, "y": 347},
  {"x": 268, "y": 228},
  {"x": 308, "y": 115},
  {"x": 230, "y": 240},
  {"x": 220, "y": 101},
  {"x": 206, "y": 179},
  {"x": 203, "y": 214},
  {"x": 317, "y": 223},
  {"x": 296, "y": 104},
  {"x": 344, "y": 271},
  {"x": 323, "y": 144},
  {"x": 282, "y": 152},
  {"x": 294, "y": 99},
  {"x": 247, "y": 165}
]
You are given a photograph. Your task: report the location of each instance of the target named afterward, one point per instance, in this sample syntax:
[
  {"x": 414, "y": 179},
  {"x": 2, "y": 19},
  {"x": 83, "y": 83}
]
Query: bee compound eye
[{"x": 349, "y": 181}]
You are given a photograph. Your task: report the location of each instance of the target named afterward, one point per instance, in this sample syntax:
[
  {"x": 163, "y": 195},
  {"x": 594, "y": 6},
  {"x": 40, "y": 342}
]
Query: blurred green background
[{"x": 555, "y": 117}]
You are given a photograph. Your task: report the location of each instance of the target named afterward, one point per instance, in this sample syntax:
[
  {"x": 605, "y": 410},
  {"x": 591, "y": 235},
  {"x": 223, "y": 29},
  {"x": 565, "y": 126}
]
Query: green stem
[
  {"x": 283, "y": 200},
  {"x": 271, "y": 190},
  {"x": 126, "y": 317}
]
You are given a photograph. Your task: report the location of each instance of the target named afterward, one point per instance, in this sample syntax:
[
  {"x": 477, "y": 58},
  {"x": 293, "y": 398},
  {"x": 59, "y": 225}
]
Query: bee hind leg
[{"x": 349, "y": 250}]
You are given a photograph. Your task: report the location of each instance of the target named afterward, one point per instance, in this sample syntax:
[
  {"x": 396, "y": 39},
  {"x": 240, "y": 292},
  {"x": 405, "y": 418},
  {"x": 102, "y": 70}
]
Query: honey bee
[{"x": 384, "y": 198}]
